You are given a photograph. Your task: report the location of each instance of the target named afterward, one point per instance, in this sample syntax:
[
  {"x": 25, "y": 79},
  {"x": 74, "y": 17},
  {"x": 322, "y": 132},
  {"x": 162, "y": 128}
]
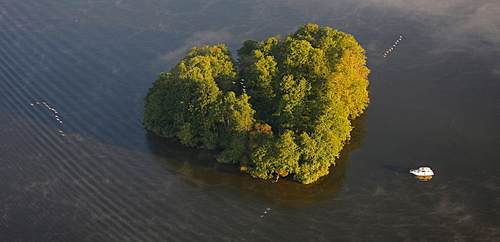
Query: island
[{"x": 284, "y": 107}]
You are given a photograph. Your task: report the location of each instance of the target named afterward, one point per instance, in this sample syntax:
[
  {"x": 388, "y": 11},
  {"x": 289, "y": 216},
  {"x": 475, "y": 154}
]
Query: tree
[
  {"x": 278, "y": 156},
  {"x": 186, "y": 102},
  {"x": 286, "y": 109},
  {"x": 237, "y": 116}
]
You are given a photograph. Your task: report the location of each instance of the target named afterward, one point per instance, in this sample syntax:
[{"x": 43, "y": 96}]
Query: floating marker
[
  {"x": 393, "y": 46},
  {"x": 265, "y": 212},
  {"x": 56, "y": 116}
]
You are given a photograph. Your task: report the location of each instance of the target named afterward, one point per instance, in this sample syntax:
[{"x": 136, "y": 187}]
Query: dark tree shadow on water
[
  {"x": 397, "y": 169},
  {"x": 200, "y": 168}
]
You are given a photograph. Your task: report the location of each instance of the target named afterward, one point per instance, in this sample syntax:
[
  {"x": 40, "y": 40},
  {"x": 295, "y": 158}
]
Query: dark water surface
[{"x": 79, "y": 166}]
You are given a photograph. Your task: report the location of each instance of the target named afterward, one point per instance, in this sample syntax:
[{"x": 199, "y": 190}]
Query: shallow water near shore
[{"x": 76, "y": 164}]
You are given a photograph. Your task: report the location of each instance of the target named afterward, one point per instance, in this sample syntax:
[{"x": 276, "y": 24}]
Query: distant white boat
[{"x": 422, "y": 171}]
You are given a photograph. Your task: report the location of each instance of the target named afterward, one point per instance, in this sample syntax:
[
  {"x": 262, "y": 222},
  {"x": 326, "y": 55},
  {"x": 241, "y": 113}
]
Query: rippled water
[{"x": 79, "y": 166}]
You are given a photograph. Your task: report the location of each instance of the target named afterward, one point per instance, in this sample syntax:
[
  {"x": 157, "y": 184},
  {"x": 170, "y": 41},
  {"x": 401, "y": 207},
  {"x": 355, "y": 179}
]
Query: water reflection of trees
[{"x": 200, "y": 168}]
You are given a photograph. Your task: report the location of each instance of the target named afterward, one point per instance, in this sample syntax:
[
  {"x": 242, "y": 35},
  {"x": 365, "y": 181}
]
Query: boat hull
[{"x": 421, "y": 173}]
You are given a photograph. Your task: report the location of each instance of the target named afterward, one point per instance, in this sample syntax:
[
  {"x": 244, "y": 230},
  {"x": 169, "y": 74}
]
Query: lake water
[{"x": 78, "y": 165}]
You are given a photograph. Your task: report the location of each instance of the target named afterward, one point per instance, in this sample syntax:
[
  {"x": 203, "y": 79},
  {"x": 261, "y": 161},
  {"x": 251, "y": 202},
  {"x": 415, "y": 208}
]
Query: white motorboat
[{"x": 422, "y": 171}]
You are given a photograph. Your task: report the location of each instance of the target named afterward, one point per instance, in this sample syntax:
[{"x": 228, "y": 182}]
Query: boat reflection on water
[{"x": 424, "y": 178}]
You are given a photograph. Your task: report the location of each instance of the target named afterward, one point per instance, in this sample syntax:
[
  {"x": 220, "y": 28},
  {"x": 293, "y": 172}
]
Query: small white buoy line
[
  {"x": 243, "y": 87},
  {"x": 393, "y": 46},
  {"x": 56, "y": 113},
  {"x": 242, "y": 84},
  {"x": 265, "y": 212}
]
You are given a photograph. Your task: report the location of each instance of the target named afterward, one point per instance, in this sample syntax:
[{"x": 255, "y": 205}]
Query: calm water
[{"x": 78, "y": 165}]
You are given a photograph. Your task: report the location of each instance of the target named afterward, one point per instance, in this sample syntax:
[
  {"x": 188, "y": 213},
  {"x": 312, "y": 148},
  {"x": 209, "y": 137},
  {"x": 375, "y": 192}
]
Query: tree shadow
[
  {"x": 397, "y": 169},
  {"x": 200, "y": 168}
]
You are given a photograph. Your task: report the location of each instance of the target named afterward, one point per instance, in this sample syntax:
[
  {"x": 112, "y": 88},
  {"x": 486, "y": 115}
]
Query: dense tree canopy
[{"x": 284, "y": 107}]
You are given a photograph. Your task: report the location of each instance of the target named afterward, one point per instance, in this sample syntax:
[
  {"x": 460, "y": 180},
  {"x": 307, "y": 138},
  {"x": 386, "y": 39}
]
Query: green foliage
[
  {"x": 237, "y": 117},
  {"x": 278, "y": 155},
  {"x": 286, "y": 108}
]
